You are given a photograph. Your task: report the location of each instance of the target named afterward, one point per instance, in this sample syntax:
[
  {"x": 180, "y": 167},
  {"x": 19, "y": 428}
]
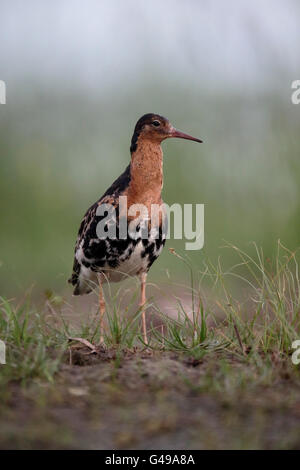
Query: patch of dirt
[{"x": 137, "y": 400}]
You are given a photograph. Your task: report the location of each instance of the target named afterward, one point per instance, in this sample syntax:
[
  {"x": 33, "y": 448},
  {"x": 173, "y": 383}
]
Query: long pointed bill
[{"x": 182, "y": 135}]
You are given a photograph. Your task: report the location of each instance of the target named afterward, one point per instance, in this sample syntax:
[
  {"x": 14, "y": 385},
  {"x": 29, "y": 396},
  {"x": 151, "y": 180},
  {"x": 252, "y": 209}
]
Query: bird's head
[{"x": 156, "y": 128}]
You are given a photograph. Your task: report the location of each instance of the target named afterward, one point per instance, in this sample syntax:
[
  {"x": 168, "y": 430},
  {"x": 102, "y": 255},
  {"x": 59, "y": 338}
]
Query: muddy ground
[{"x": 135, "y": 400}]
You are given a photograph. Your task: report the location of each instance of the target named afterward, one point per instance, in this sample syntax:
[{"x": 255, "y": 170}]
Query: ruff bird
[{"x": 102, "y": 252}]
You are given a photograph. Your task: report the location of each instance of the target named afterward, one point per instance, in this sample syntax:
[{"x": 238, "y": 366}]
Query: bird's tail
[{"x": 77, "y": 279}]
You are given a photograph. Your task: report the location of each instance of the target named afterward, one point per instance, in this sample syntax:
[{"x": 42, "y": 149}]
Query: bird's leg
[
  {"x": 142, "y": 305},
  {"x": 101, "y": 309},
  {"x": 102, "y": 312}
]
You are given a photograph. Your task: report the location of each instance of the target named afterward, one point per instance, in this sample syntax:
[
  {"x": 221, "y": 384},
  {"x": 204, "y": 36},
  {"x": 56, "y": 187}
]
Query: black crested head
[
  {"x": 155, "y": 128},
  {"x": 154, "y": 122}
]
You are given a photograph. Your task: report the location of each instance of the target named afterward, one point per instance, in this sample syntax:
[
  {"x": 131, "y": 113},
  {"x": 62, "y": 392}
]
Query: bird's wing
[{"x": 87, "y": 240}]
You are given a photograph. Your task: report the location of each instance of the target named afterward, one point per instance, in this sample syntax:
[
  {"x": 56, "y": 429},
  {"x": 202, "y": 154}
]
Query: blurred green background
[{"x": 79, "y": 75}]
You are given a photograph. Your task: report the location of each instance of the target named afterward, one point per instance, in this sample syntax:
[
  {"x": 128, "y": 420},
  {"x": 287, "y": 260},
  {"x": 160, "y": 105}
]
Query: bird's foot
[
  {"x": 147, "y": 352},
  {"x": 101, "y": 346}
]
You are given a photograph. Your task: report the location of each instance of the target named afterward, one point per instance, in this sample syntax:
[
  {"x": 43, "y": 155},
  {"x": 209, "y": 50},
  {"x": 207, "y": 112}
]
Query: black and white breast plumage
[{"x": 115, "y": 258}]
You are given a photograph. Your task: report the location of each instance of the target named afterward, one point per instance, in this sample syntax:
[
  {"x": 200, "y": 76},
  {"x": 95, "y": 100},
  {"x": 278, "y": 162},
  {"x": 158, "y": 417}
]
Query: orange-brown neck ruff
[{"x": 146, "y": 171}]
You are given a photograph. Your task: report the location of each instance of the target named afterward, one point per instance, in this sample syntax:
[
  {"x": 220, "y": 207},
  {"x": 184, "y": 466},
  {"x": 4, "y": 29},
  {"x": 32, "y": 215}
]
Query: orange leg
[
  {"x": 142, "y": 305},
  {"x": 101, "y": 310}
]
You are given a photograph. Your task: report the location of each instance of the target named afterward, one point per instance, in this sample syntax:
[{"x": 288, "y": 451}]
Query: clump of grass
[
  {"x": 268, "y": 319},
  {"x": 186, "y": 335},
  {"x": 122, "y": 322},
  {"x": 30, "y": 343},
  {"x": 189, "y": 332},
  {"x": 123, "y": 325},
  {"x": 264, "y": 320}
]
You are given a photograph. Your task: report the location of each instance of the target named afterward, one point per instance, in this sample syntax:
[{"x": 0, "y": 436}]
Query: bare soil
[{"x": 137, "y": 400}]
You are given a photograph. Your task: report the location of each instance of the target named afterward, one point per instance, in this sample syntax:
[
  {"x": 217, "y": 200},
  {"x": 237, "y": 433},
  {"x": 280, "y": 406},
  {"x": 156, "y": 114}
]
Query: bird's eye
[{"x": 156, "y": 123}]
